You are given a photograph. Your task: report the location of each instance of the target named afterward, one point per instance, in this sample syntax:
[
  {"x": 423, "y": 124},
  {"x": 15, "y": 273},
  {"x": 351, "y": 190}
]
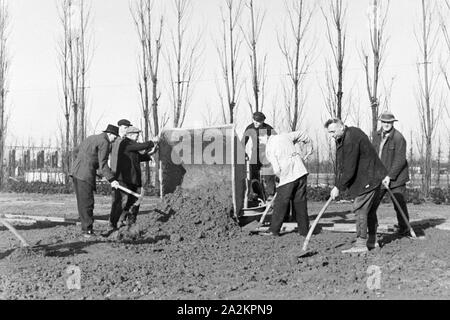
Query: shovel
[
  {"x": 254, "y": 225},
  {"x": 14, "y": 231},
  {"x": 310, "y": 232},
  {"x": 411, "y": 230}
]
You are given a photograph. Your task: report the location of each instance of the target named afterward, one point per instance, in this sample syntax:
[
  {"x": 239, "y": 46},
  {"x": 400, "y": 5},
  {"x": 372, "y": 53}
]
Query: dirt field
[{"x": 187, "y": 248}]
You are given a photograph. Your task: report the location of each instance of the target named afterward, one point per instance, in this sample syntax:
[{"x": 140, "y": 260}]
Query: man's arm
[
  {"x": 138, "y": 146},
  {"x": 399, "y": 160},
  {"x": 300, "y": 136},
  {"x": 103, "y": 153}
]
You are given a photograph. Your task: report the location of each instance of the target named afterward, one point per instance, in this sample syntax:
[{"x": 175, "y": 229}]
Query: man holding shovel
[
  {"x": 129, "y": 175},
  {"x": 93, "y": 154},
  {"x": 287, "y": 163},
  {"x": 360, "y": 171},
  {"x": 391, "y": 147}
]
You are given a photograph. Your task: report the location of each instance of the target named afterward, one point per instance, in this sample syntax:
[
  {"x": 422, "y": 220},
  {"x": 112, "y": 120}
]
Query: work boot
[
  {"x": 372, "y": 242},
  {"x": 401, "y": 232},
  {"x": 88, "y": 233},
  {"x": 360, "y": 246},
  {"x": 108, "y": 231},
  {"x": 123, "y": 219}
]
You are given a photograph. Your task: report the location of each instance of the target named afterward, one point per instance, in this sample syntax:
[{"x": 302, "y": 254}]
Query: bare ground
[{"x": 187, "y": 248}]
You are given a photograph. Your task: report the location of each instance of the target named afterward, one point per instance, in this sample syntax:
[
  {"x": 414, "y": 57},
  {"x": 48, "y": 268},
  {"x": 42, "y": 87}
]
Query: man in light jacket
[{"x": 287, "y": 164}]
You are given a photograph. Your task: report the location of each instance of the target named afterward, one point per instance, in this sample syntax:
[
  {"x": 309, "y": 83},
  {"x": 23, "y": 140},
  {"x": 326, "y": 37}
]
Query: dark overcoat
[
  {"x": 358, "y": 167},
  {"x": 93, "y": 154},
  {"x": 393, "y": 156},
  {"x": 129, "y": 161}
]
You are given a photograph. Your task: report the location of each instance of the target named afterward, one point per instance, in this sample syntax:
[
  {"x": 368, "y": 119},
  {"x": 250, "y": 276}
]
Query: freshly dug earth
[{"x": 190, "y": 248}]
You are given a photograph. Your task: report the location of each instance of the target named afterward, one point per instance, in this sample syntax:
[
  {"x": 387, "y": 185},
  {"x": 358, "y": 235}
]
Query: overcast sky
[{"x": 34, "y": 97}]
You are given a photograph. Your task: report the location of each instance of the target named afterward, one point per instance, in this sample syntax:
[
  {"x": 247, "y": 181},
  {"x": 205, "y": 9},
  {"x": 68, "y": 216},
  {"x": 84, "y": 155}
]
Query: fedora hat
[
  {"x": 387, "y": 117},
  {"x": 112, "y": 129}
]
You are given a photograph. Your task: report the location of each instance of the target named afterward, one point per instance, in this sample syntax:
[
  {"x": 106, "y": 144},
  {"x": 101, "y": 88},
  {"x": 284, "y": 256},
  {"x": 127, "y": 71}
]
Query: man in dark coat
[
  {"x": 93, "y": 154},
  {"x": 129, "y": 175},
  {"x": 391, "y": 147},
  {"x": 260, "y": 168},
  {"x": 360, "y": 171}
]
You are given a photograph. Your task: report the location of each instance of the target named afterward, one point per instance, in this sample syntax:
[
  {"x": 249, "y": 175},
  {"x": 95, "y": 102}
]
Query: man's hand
[
  {"x": 386, "y": 181},
  {"x": 334, "y": 193},
  {"x": 115, "y": 184},
  {"x": 153, "y": 150},
  {"x": 155, "y": 139}
]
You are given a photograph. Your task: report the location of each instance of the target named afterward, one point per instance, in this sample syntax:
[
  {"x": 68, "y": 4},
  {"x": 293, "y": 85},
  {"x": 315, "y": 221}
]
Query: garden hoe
[
  {"x": 254, "y": 225},
  {"x": 307, "y": 253},
  {"x": 411, "y": 230}
]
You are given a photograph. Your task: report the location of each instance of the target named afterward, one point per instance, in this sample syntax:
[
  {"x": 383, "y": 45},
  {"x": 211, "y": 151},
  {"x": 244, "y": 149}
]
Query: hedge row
[{"x": 438, "y": 195}]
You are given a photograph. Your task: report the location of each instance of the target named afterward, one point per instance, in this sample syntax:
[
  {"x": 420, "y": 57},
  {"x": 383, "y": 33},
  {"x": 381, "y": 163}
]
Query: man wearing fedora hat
[
  {"x": 128, "y": 173},
  {"x": 391, "y": 147},
  {"x": 260, "y": 167},
  {"x": 93, "y": 154}
]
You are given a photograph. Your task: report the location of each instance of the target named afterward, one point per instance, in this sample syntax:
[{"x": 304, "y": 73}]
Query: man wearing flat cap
[
  {"x": 130, "y": 155},
  {"x": 123, "y": 125},
  {"x": 391, "y": 147},
  {"x": 92, "y": 155},
  {"x": 260, "y": 167}
]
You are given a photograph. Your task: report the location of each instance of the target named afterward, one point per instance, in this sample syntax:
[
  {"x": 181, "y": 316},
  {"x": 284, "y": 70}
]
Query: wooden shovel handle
[
  {"x": 391, "y": 194},
  {"x": 137, "y": 195},
  {"x": 305, "y": 244},
  {"x": 14, "y": 231}
]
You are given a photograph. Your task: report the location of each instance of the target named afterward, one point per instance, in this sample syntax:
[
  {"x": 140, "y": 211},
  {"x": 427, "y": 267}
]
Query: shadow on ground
[{"x": 419, "y": 228}]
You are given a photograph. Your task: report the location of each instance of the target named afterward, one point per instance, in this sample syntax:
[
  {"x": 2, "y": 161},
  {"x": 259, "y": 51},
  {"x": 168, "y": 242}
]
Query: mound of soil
[{"x": 186, "y": 215}]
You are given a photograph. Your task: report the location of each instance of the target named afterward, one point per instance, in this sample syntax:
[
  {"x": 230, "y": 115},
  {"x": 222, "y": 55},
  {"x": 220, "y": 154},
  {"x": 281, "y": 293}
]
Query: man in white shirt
[{"x": 287, "y": 164}]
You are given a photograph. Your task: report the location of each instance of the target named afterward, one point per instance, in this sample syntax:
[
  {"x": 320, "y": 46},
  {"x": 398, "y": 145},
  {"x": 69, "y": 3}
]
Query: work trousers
[
  {"x": 365, "y": 209},
  {"x": 399, "y": 194},
  {"x": 268, "y": 181},
  {"x": 84, "y": 192},
  {"x": 122, "y": 202},
  {"x": 293, "y": 192}
]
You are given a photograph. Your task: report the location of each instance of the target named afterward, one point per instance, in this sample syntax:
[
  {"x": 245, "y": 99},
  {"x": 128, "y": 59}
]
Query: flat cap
[
  {"x": 124, "y": 122},
  {"x": 259, "y": 116},
  {"x": 132, "y": 130}
]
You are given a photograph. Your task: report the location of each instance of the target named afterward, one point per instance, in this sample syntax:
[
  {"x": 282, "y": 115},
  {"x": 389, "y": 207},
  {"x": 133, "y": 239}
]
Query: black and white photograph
[{"x": 241, "y": 151}]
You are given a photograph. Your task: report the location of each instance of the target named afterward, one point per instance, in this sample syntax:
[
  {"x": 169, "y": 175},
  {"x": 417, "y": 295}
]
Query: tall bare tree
[
  {"x": 229, "y": 58},
  {"x": 74, "y": 50},
  {"x": 183, "y": 62},
  {"x": 148, "y": 67},
  {"x": 377, "y": 22},
  {"x": 297, "y": 54},
  {"x": 4, "y": 66},
  {"x": 258, "y": 70},
  {"x": 335, "y": 15},
  {"x": 428, "y": 106}
]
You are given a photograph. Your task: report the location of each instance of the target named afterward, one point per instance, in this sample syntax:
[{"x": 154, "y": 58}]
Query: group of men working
[
  {"x": 123, "y": 170},
  {"x": 365, "y": 168}
]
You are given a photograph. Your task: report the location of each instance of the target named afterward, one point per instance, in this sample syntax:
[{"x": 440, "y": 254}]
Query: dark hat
[
  {"x": 387, "y": 117},
  {"x": 124, "y": 122},
  {"x": 259, "y": 116},
  {"x": 112, "y": 129}
]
